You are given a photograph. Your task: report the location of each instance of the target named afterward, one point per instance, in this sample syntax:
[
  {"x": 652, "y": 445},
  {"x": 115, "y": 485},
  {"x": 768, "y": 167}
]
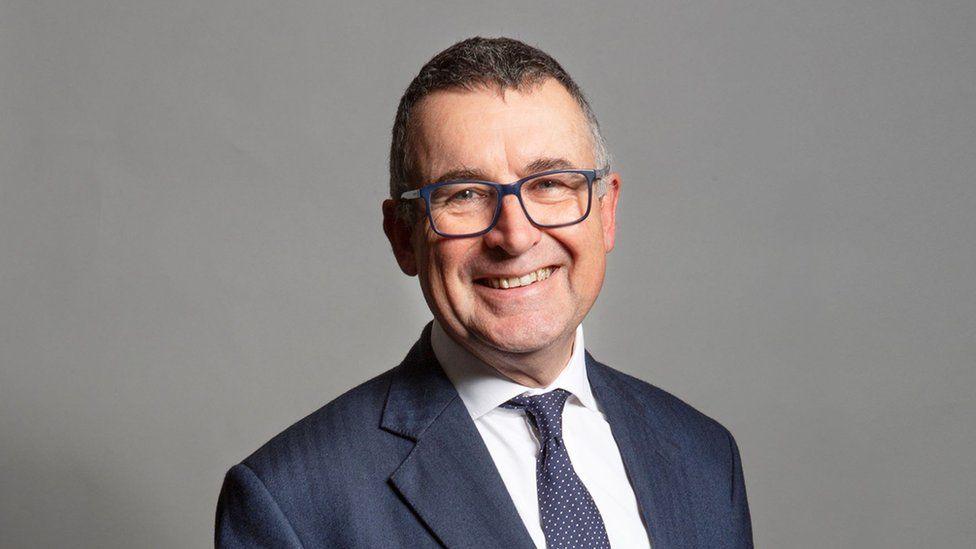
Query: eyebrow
[
  {"x": 538, "y": 165},
  {"x": 461, "y": 173},
  {"x": 546, "y": 164}
]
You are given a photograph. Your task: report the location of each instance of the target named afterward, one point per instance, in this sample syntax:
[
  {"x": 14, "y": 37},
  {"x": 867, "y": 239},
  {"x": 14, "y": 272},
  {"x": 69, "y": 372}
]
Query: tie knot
[{"x": 546, "y": 411}]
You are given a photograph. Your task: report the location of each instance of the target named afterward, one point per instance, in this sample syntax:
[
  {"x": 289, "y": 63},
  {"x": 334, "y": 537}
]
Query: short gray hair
[{"x": 472, "y": 64}]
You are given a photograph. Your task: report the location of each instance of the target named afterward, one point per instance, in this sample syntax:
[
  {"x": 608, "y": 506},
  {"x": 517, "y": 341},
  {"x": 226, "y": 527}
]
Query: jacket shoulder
[
  {"x": 308, "y": 480},
  {"x": 700, "y": 446},
  {"x": 341, "y": 431},
  {"x": 687, "y": 426}
]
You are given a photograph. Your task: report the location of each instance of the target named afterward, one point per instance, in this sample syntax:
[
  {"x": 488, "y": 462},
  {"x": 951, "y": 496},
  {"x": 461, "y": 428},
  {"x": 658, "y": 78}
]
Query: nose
[{"x": 513, "y": 233}]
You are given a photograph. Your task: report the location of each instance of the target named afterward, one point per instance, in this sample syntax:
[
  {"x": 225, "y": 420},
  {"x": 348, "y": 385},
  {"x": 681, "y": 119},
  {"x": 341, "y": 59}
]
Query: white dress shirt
[{"x": 514, "y": 445}]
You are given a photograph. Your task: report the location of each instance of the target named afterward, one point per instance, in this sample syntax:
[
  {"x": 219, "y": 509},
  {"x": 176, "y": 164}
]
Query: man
[{"x": 498, "y": 429}]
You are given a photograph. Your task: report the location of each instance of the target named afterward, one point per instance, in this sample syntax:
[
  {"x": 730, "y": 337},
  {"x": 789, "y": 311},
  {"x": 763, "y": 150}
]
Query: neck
[{"x": 533, "y": 369}]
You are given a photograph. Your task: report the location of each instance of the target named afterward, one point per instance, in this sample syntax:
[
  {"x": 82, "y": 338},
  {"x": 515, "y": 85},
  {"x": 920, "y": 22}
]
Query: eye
[
  {"x": 548, "y": 183},
  {"x": 461, "y": 194},
  {"x": 465, "y": 195}
]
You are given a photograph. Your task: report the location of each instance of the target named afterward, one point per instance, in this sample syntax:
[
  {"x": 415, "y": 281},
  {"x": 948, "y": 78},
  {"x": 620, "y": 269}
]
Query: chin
[{"x": 520, "y": 338}]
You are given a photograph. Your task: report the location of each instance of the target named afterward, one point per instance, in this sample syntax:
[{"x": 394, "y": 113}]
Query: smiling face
[{"x": 486, "y": 135}]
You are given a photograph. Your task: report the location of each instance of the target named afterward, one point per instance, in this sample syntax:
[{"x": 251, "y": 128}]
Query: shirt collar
[{"x": 482, "y": 388}]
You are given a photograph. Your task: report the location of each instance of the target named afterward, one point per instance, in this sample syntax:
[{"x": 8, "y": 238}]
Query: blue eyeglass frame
[{"x": 505, "y": 189}]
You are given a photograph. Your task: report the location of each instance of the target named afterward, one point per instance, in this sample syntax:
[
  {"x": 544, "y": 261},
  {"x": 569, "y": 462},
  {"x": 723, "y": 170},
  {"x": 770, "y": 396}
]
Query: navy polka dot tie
[{"x": 569, "y": 516}]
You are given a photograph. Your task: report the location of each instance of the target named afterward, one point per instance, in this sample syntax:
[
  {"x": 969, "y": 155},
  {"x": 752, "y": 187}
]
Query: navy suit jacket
[{"x": 398, "y": 462}]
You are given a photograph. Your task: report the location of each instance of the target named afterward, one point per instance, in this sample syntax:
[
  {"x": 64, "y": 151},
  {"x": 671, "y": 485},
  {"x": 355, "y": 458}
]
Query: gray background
[{"x": 191, "y": 255}]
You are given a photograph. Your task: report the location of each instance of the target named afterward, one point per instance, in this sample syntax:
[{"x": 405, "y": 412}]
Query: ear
[
  {"x": 608, "y": 210},
  {"x": 398, "y": 232}
]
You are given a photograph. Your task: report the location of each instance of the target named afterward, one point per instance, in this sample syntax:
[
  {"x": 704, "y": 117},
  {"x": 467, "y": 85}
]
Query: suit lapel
[
  {"x": 448, "y": 478},
  {"x": 650, "y": 457}
]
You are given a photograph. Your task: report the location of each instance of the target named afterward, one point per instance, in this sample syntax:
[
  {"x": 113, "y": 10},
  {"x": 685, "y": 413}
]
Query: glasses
[{"x": 467, "y": 207}]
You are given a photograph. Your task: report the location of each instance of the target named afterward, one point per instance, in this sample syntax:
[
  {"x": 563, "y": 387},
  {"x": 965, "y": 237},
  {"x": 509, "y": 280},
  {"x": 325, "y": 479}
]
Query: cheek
[
  {"x": 589, "y": 258},
  {"x": 588, "y": 272},
  {"x": 446, "y": 261}
]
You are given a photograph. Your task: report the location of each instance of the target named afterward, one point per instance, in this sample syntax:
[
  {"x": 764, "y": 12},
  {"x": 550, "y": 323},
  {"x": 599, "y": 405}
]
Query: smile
[{"x": 518, "y": 281}]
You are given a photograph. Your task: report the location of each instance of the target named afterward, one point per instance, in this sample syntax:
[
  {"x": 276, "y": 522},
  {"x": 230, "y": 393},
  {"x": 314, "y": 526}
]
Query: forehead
[{"x": 499, "y": 132}]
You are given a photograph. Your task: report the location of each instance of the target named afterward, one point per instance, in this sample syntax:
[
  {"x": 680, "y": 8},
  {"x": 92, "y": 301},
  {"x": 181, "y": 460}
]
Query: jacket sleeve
[
  {"x": 248, "y": 516},
  {"x": 741, "y": 527}
]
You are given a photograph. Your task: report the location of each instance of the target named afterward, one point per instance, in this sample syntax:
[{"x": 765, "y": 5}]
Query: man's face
[{"x": 484, "y": 135}]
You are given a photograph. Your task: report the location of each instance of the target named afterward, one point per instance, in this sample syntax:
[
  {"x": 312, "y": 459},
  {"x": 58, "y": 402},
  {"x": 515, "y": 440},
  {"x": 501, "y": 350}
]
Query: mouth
[{"x": 511, "y": 282}]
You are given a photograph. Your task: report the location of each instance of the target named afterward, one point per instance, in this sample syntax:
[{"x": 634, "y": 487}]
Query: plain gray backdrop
[{"x": 191, "y": 255}]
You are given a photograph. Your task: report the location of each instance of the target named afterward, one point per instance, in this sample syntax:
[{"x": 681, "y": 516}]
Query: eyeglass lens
[{"x": 466, "y": 208}]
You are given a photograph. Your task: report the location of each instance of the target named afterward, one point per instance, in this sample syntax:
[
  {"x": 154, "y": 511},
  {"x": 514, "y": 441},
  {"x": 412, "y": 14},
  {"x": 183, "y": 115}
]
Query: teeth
[{"x": 518, "y": 281}]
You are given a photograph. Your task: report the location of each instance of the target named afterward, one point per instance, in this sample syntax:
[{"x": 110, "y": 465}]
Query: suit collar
[
  {"x": 419, "y": 391},
  {"x": 632, "y": 406},
  {"x": 448, "y": 478},
  {"x": 452, "y": 484},
  {"x": 642, "y": 430}
]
